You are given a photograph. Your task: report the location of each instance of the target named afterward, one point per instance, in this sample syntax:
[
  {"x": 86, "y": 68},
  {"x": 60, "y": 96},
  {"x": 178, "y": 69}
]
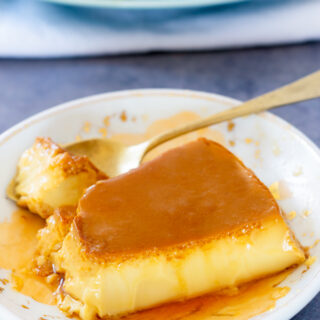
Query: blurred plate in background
[{"x": 145, "y": 4}]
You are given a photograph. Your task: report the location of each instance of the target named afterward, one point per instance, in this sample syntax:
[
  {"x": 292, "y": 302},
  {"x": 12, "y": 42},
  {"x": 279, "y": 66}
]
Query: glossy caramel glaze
[{"x": 192, "y": 193}]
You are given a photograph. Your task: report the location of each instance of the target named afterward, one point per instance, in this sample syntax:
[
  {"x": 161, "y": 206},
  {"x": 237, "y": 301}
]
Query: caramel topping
[{"x": 191, "y": 193}]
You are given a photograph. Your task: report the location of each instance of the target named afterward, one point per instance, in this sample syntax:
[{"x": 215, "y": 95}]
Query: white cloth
[{"x": 32, "y": 28}]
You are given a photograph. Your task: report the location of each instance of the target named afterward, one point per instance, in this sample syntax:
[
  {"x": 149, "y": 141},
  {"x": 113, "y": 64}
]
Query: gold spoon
[{"x": 115, "y": 158}]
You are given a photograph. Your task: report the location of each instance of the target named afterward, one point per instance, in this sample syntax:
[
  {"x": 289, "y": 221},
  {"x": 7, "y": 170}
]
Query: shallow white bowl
[
  {"x": 283, "y": 150},
  {"x": 145, "y": 4}
]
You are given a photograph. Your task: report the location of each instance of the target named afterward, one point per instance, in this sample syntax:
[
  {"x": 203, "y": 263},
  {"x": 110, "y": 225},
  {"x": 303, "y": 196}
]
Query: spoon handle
[{"x": 303, "y": 89}]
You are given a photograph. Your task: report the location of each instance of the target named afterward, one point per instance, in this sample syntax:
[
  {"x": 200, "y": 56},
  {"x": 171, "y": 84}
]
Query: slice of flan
[
  {"x": 49, "y": 177},
  {"x": 192, "y": 221}
]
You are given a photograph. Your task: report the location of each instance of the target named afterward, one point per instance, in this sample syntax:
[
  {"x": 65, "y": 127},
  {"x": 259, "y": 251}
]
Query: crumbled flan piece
[
  {"x": 50, "y": 239},
  {"x": 192, "y": 221},
  {"x": 49, "y": 177}
]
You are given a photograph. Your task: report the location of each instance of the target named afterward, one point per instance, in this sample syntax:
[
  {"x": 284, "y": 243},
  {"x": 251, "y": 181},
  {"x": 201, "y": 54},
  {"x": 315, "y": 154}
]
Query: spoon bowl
[{"x": 110, "y": 156}]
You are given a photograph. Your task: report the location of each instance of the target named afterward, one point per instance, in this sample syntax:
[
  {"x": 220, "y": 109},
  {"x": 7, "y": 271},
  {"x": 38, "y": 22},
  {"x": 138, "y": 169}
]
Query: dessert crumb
[
  {"x": 106, "y": 121},
  {"x": 280, "y": 190},
  {"x": 87, "y": 126},
  {"x": 103, "y": 132},
  {"x": 232, "y": 143},
  {"x": 123, "y": 116},
  {"x": 274, "y": 189},
  {"x": 310, "y": 261},
  {"x": 291, "y": 215},
  {"x": 53, "y": 278},
  {"x": 248, "y": 140},
  {"x": 4, "y": 281},
  {"x": 230, "y": 125},
  {"x": 78, "y": 137},
  {"x": 313, "y": 245},
  {"x": 24, "y": 306},
  {"x": 306, "y": 213}
]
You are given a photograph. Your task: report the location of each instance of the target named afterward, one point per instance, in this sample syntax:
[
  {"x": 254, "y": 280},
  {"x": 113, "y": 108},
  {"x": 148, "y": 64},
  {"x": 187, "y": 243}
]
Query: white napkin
[{"x": 31, "y": 28}]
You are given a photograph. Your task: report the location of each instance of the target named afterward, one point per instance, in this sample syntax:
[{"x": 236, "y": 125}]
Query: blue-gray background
[{"x": 30, "y": 86}]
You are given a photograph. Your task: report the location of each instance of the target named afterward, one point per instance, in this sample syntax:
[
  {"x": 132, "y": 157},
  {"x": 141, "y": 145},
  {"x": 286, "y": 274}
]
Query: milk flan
[
  {"x": 49, "y": 177},
  {"x": 50, "y": 239},
  {"x": 192, "y": 221}
]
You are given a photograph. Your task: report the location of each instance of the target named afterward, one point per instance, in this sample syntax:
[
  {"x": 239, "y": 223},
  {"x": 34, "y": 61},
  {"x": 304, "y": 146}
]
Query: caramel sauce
[
  {"x": 17, "y": 248},
  {"x": 18, "y": 244},
  {"x": 192, "y": 193},
  {"x": 230, "y": 125},
  {"x": 18, "y": 239},
  {"x": 33, "y": 286},
  {"x": 248, "y": 301},
  {"x": 123, "y": 116}
]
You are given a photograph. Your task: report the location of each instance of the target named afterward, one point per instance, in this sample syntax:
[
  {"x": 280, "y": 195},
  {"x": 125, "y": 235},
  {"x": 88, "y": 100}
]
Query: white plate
[
  {"x": 145, "y": 4},
  {"x": 284, "y": 150}
]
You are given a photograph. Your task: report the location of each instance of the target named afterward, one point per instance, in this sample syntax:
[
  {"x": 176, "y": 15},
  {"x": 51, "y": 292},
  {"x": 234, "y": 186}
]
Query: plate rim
[
  {"x": 286, "y": 311},
  {"x": 144, "y": 4}
]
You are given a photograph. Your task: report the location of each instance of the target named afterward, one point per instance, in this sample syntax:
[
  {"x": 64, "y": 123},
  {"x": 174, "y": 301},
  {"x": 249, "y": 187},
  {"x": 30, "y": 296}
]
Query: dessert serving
[
  {"x": 48, "y": 177},
  {"x": 193, "y": 221}
]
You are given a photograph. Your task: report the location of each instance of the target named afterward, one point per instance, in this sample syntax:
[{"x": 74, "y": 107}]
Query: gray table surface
[{"x": 27, "y": 87}]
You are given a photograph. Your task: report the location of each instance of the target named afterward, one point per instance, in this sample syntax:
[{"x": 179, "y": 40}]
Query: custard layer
[
  {"x": 109, "y": 289},
  {"x": 192, "y": 221}
]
